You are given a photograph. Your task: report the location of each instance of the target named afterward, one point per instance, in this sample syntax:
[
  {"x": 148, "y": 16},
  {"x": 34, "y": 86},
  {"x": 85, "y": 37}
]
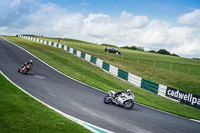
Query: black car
[{"x": 112, "y": 50}]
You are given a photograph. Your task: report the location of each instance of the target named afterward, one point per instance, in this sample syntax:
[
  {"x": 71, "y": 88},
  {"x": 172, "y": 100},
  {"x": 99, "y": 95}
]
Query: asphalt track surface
[{"x": 83, "y": 102}]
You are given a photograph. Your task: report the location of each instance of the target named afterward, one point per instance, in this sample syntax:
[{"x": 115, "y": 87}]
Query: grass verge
[
  {"x": 22, "y": 114},
  {"x": 83, "y": 71}
]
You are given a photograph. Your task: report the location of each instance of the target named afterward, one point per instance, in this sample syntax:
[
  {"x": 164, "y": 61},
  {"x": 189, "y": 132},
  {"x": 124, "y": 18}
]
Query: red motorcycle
[{"x": 25, "y": 68}]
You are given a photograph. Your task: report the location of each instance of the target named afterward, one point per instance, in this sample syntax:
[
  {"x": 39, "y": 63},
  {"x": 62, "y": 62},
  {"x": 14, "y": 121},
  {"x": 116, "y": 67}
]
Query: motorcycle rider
[
  {"x": 27, "y": 63},
  {"x": 128, "y": 91}
]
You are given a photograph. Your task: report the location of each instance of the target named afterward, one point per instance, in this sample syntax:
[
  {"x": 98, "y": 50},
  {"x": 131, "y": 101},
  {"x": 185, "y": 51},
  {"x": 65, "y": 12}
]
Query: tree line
[{"x": 161, "y": 51}]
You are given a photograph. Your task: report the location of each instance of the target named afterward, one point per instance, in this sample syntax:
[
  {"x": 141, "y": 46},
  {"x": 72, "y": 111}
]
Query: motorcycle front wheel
[
  {"x": 25, "y": 71},
  {"x": 128, "y": 104},
  {"x": 107, "y": 99}
]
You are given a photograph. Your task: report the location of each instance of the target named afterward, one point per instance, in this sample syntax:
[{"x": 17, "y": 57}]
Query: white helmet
[
  {"x": 129, "y": 91},
  {"x": 31, "y": 61}
]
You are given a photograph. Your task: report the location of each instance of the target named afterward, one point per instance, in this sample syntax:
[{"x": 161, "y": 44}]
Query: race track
[{"x": 83, "y": 102}]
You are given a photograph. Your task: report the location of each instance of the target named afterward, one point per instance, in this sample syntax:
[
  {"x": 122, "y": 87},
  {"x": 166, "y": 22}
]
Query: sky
[{"x": 173, "y": 25}]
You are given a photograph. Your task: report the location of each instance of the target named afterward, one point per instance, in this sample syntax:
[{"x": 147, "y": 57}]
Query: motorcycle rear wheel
[{"x": 107, "y": 99}]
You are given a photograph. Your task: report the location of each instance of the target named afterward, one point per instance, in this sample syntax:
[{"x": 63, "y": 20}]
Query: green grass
[
  {"x": 22, "y": 114},
  {"x": 83, "y": 71},
  {"x": 177, "y": 72}
]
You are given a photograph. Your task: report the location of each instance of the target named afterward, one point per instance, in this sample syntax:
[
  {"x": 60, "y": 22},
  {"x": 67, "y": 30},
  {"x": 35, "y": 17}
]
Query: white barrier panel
[
  {"x": 134, "y": 79},
  {"x": 99, "y": 62},
  {"x": 41, "y": 41},
  {"x": 162, "y": 90},
  {"x": 78, "y": 53},
  {"x": 87, "y": 57},
  {"x": 60, "y": 46},
  {"x": 65, "y": 48},
  {"x": 49, "y": 43},
  {"x": 113, "y": 70},
  {"x": 71, "y": 50},
  {"x": 45, "y": 42}
]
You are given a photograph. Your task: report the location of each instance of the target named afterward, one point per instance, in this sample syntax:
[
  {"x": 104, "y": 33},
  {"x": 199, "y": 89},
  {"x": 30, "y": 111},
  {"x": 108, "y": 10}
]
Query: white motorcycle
[{"x": 125, "y": 100}]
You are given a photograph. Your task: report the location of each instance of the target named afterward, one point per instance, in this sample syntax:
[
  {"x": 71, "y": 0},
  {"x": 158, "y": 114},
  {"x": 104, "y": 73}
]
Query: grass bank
[
  {"x": 177, "y": 72},
  {"x": 83, "y": 71},
  {"x": 22, "y": 114}
]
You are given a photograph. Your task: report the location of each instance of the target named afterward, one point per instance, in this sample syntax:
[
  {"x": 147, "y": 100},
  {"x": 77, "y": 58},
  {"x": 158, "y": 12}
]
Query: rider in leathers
[
  {"x": 27, "y": 63},
  {"x": 120, "y": 92}
]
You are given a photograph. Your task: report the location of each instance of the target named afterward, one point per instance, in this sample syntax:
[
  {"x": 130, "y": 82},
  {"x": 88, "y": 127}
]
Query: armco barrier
[
  {"x": 159, "y": 89},
  {"x": 123, "y": 74},
  {"x": 82, "y": 55},
  {"x": 93, "y": 59},
  {"x": 134, "y": 79},
  {"x": 113, "y": 70},
  {"x": 75, "y": 51},
  {"x": 68, "y": 48},
  {"x": 99, "y": 63},
  {"x": 162, "y": 90},
  {"x": 150, "y": 86},
  {"x": 106, "y": 66}
]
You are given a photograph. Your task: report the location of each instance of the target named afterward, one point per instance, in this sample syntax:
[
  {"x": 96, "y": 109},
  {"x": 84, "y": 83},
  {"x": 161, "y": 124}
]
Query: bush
[
  {"x": 109, "y": 45},
  {"x": 174, "y": 55},
  {"x": 152, "y": 51},
  {"x": 132, "y": 47}
]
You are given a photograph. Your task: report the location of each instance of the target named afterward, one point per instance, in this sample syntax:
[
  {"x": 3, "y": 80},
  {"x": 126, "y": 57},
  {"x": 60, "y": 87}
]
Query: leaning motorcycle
[
  {"x": 25, "y": 69},
  {"x": 125, "y": 100}
]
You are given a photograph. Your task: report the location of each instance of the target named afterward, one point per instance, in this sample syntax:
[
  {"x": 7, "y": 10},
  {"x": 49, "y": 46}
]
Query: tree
[
  {"x": 152, "y": 51},
  {"x": 140, "y": 49},
  {"x": 163, "y": 51},
  {"x": 132, "y": 47},
  {"x": 196, "y": 58}
]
